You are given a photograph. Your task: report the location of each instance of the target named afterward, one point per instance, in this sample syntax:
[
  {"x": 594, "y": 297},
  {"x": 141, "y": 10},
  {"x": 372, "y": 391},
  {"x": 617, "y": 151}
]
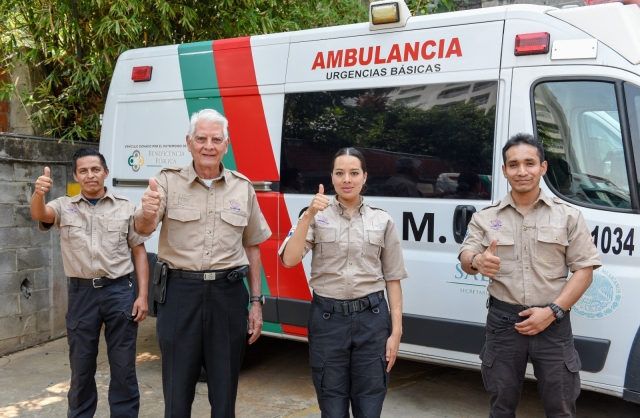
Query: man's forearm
[
  {"x": 465, "y": 259},
  {"x": 255, "y": 282},
  {"x": 575, "y": 288},
  {"x": 143, "y": 225},
  {"x": 142, "y": 269}
]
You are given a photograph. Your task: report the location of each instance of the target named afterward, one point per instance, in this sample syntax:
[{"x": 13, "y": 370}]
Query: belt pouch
[
  {"x": 238, "y": 274},
  {"x": 160, "y": 273}
]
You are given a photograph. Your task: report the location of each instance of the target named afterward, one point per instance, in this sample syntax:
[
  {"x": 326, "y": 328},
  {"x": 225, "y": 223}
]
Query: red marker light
[
  {"x": 141, "y": 73},
  {"x": 532, "y": 43}
]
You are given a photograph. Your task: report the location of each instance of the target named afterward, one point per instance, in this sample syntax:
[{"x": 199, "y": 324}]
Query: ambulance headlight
[{"x": 385, "y": 14}]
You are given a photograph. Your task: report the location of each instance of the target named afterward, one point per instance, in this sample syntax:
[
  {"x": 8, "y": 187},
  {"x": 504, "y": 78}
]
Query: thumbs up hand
[
  {"x": 44, "y": 182},
  {"x": 151, "y": 201},
  {"x": 487, "y": 263},
  {"x": 320, "y": 202}
]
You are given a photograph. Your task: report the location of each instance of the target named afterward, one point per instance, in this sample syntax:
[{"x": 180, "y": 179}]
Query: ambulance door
[{"x": 587, "y": 118}]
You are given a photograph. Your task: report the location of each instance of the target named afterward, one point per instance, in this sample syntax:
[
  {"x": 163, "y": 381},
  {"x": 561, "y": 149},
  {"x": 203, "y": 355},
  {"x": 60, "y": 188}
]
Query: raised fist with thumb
[
  {"x": 151, "y": 200},
  {"x": 44, "y": 182},
  {"x": 488, "y": 263}
]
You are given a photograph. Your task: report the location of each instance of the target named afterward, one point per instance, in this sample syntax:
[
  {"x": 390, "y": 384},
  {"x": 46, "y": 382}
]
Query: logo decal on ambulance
[
  {"x": 602, "y": 298},
  {"x": 136, "y": 160}
]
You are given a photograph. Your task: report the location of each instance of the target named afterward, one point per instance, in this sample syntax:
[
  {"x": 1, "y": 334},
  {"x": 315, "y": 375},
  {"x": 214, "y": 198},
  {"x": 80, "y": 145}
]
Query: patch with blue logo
[{"x": 602, "y": 298}]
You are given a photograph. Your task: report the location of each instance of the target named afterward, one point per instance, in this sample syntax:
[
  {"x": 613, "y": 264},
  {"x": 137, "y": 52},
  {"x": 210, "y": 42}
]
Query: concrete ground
[{"x": 275, "y": 382}]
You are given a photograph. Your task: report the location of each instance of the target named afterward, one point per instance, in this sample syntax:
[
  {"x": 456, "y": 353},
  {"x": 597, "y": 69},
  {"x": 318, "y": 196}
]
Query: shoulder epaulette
[
  {"x": 241, "y": 176},
  {"x": 493, "y": 205},
  {"x": 376, "y": 208},
  {"x": 121, "y": 197},
  {"x": 175, "y": 168}
]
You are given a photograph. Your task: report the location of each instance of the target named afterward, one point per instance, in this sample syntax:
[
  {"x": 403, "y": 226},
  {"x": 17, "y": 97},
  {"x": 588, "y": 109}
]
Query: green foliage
[
  {"x": 71, "y": 46},
  {"x": 425, "y": 7}
]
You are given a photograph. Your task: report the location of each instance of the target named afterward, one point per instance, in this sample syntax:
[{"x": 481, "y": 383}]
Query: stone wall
[{"x": 33, "y": 286}]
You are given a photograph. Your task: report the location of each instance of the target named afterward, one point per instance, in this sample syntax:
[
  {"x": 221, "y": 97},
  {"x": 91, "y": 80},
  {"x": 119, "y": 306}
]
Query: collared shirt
[
  {"x": 353, "y": 255},
  {"x": 536, "y": 250},
  {"x": 207, "y": 228},
  {"x": 95, "y": 240}
]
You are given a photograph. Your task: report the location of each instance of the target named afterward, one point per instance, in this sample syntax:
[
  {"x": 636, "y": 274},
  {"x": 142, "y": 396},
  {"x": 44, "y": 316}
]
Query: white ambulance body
[{"x": 433, "y": 103}]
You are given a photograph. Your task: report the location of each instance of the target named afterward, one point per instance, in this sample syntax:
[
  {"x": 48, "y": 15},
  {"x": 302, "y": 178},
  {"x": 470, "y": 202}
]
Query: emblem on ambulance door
[
  {"x": 602, "y": 298},
  {"x": 136, "y": 160}
]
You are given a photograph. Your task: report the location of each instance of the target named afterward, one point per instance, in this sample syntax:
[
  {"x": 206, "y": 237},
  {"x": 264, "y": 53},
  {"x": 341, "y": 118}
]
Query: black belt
[
  {"x": 97, "y": 282},
  {"x": 232, "y": 275},
  {"x": 509, "y": 307},
  {"x": 347, "y": 307}
]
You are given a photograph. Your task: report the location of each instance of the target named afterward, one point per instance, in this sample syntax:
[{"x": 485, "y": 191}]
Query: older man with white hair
[{"x": 211, "y": 228}]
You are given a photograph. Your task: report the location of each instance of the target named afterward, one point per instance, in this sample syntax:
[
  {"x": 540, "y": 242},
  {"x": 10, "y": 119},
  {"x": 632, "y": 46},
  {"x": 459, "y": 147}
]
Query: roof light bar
[
  {"x": 532, "y": 43},
  {"x": 141, "y": 73}
]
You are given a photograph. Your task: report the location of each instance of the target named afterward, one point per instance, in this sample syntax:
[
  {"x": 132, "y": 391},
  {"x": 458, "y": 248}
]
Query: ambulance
[{"x": 430, "y": 101}]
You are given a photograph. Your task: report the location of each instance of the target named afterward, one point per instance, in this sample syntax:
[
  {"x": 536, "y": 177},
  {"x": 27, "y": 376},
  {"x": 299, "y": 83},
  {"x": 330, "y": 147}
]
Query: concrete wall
[{"x": 30, "y": 260}]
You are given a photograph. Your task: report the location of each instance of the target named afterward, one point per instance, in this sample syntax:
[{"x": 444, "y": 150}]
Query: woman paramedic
[{"x": 353, "y": 334}]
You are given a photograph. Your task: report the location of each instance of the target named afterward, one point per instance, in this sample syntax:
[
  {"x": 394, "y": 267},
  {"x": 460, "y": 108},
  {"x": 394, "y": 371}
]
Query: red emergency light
[
  {"x": 532, "y": 43},
  {"x": 141, "y": 73}
]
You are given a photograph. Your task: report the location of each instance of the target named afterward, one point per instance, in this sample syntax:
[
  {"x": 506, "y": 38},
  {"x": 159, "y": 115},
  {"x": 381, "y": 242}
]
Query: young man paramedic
[
  {"x": 97, "y": 239},
  {"x": 211, "y": 228},
  {"x": 526, "y": 244}
]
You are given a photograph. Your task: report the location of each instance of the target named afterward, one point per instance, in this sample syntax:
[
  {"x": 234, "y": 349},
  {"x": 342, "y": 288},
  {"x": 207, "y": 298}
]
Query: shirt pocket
[
  {"x": 506, "y": 251},
  {"x": 231, "y": 230},
  {"x": 183, "y": 227},
  {"x": 373, "y": 245},
  {"x": 327, "y": 240},
  {"x": 72, "y": 230},
  {"x": 115, "y": 236},
  {"x": 551, "y": 245}
]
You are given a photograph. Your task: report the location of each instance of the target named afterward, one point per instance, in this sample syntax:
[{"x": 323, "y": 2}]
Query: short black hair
[
  {"x": 522, "y": 138},
  {"x": 88, "y": 152}
]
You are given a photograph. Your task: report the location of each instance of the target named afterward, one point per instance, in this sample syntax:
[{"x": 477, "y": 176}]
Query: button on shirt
[
  {"x": 95, "y": 240},
  {"x": 536, "y": 250},
  {"x": 353, "y": 255},
  {"x": 207, "y": 228}
]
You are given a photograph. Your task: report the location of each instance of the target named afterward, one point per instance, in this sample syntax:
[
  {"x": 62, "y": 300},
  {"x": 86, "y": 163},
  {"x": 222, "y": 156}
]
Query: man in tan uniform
[
  {"x": 526, "y": 244},
  {"x": 97, "y": 239},
  {"x": 211, "y": 228}
]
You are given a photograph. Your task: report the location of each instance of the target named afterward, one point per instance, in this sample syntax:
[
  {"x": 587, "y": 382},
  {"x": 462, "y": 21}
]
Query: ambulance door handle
[{"x": 461, "y": 218}]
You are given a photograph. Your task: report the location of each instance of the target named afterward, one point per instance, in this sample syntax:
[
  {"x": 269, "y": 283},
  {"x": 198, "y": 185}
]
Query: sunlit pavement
[{"x": 274, "y": 382}]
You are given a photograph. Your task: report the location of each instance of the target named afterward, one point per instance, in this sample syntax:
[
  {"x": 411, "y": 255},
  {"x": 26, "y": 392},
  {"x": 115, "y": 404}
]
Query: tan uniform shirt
[
  {"x": 207, "y": 228},
  {"x": 535, "y": 250},
  {"x": 95, "y": 240},
  {"x": 352, "y": 256}
]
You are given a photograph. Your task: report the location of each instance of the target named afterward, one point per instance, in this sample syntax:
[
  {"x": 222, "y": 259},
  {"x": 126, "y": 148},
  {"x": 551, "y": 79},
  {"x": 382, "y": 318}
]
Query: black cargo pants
[
  {"x": 347, "y": 354},
  {"x": 88, "y": 309},
  {"x": 555, "y": 363}
]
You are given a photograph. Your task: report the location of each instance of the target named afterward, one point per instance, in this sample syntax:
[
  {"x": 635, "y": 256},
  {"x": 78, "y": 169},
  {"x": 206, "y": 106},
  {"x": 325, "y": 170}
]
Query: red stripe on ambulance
[{"x": 243, "y": 108}]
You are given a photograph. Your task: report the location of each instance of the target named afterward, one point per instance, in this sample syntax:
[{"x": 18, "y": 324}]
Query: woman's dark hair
[
  {"x": 355, "y": 153},
  {"x": 88, "y": 152}
]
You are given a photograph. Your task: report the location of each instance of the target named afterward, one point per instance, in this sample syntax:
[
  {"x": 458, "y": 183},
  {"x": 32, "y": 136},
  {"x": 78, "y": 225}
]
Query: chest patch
[
  {"x": 235, "y": 205},
  {"x": 183, "y": 199},
  {"x": 495, "y": 224},
  {"x": 71, "y": 208},
  {"x": 322, "y": 220}
]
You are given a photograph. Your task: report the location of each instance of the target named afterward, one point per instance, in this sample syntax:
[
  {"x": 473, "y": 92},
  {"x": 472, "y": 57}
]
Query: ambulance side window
[
  {"x": 579, "y": 125},
  {"x": 420, "y": 141}
]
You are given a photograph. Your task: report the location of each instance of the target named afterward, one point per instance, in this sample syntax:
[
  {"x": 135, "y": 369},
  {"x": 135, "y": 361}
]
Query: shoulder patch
[
  {"x": 493, "y": 205},
  {"x": 240, "y": 176}
]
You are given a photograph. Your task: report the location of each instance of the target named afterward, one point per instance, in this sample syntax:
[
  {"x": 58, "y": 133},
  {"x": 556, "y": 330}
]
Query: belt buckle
[
  {"x": 210, "y": 276},
  {"x": 345, "y": 308},
  {"x": 94, "y": 282}
]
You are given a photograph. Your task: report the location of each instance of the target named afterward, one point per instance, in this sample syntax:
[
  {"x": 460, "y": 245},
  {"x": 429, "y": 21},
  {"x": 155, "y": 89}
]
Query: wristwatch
[
  {"x": 471, "y": 263},
  {"x": 257, "y": 299},
  {"x": 558, "y": 312}
]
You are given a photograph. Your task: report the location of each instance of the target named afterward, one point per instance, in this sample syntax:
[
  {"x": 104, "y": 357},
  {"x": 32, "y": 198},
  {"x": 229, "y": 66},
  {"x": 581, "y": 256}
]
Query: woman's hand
[
  {"x": 319, "y": 203},
  {"x": 393, "y": 344}
]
